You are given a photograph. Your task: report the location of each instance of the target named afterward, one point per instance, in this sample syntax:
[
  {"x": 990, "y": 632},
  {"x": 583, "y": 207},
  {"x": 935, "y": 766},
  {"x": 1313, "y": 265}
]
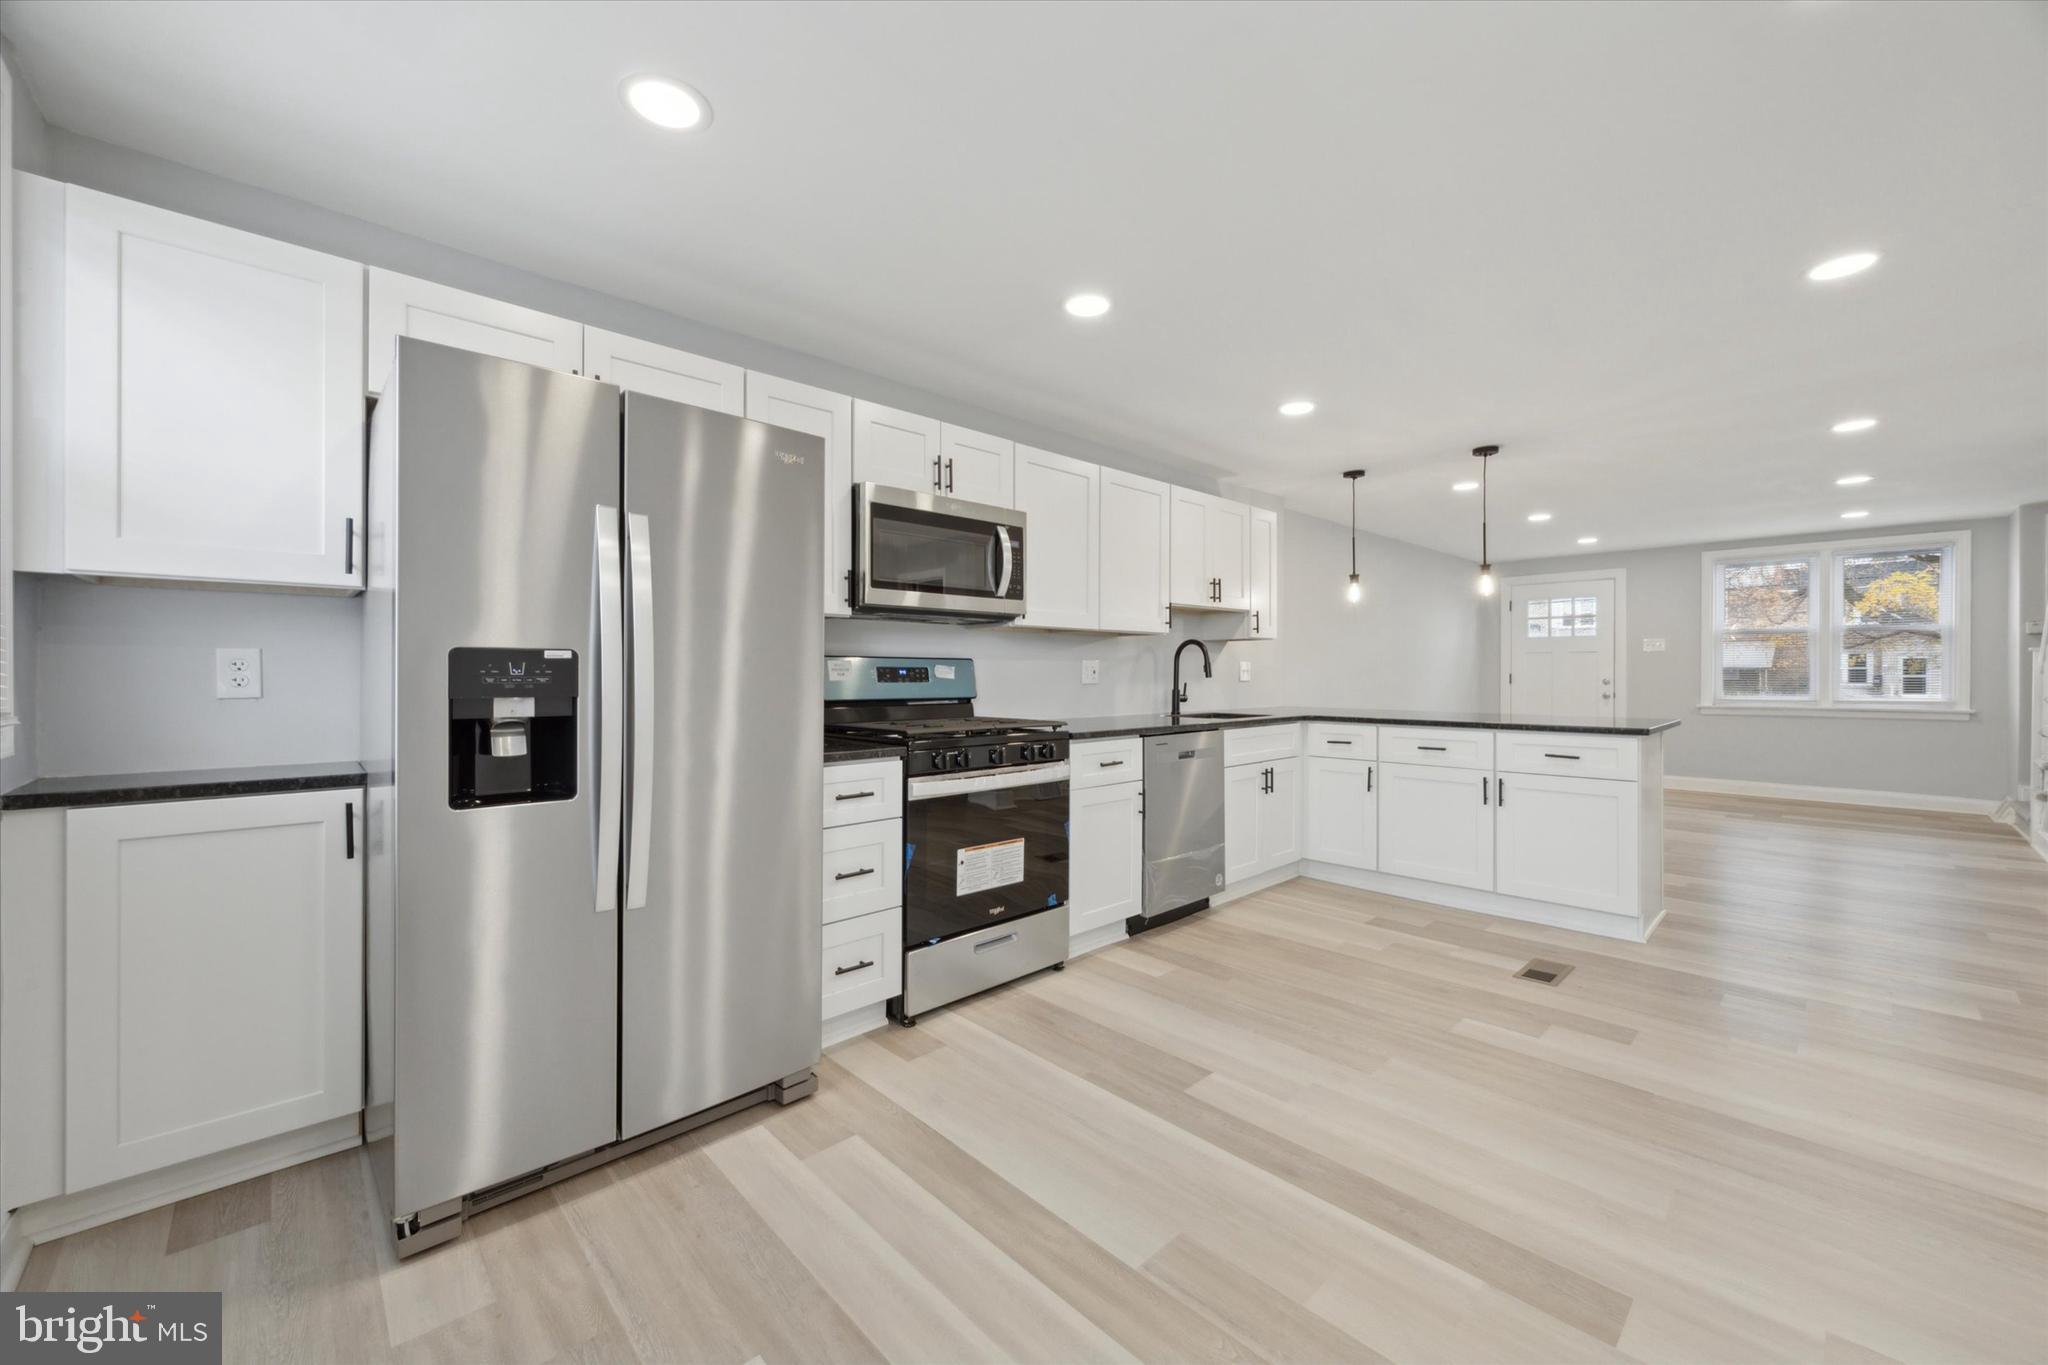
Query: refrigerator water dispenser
[{"x": 511, "y": 726}]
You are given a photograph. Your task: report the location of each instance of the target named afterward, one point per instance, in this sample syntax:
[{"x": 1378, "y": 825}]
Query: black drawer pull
[
  {"x": 843, "y": 876},
  {"x": 856, "y": 967},
  {"x": 1110, "y": 763},
  {"x": 851, "y": 796},
  {"x": 1345, "y": 742},
  {"x": 1432, "y": 748},
  {"x": 1573, "y": 757}
]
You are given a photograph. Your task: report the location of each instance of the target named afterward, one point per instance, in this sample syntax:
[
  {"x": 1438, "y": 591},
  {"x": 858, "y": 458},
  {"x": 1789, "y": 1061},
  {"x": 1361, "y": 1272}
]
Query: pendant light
[
  {"x": 1354, "y": 590},
  {"x": 1485, "y": 454}
]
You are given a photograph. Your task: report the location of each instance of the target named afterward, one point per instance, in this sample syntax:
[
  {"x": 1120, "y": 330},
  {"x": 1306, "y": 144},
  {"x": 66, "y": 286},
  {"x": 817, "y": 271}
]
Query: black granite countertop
[
  {"x": 842, "y": 750},
  {"x": 122, "y": 789},
  {"x": 1104, "y": 727}
]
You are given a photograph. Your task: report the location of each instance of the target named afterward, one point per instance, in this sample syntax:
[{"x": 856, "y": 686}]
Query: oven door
[
  {"x": 982, "y": 848},
  {"x": 921, "y": 554}
]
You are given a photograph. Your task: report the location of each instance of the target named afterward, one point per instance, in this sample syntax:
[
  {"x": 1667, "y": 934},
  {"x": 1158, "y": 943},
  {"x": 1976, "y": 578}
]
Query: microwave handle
[{"x": 1003, "y": 583}]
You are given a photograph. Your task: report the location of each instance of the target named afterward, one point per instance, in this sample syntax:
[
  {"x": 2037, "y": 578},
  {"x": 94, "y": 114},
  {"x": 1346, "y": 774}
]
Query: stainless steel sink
[{"x": 1219, "y": 715}]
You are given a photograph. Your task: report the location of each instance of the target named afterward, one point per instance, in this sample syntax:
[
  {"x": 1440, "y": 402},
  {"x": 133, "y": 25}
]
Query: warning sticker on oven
[{"x": 987, "y": 866}]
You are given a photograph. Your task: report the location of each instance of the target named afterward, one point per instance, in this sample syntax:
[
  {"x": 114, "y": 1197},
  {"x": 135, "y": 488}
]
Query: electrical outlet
[
  {"x": 1244, "y": 670},
  {"x": 1652, "y": 645},
  {"x": 1091, "y": 670},
  {"x": 238, "y": 673}
]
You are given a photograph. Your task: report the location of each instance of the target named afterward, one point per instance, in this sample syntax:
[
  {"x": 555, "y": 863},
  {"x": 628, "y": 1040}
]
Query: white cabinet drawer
[
  {"x": 1440, "y": 748},
  {"x": 1611, "y": 756},
  {"x": 863, "y": 791},
  {"x": 863, "y": 869},
  {"x": 1260, "y": 744},
  {"x": 863, "y": 961},
  {"x": 1328, "y": 739},
  {"x": 1105, "y": 762}
]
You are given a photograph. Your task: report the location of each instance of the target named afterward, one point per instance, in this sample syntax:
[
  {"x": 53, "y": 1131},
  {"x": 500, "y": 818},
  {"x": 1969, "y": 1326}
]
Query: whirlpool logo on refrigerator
[
  {"x": 788, "y": 458},
  {"x": 169, "y": 1328}
]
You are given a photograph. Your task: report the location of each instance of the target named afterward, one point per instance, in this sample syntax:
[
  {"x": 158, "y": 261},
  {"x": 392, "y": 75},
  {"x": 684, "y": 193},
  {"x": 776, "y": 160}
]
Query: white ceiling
[{"x": 1576, "y": 230}]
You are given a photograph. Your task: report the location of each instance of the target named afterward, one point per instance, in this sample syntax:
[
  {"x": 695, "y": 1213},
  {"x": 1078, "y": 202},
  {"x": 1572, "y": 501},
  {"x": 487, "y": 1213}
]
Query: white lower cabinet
[
  {"x": 213, "y": 977},
  {"x": 863, "y": 962},
  {"x": 1105, "y": 855},
  {"x": 1436, "y": 824},
  {"x": 1261, "y": 818},
  {"x": 1568, "y": 841},
  {"x": 863, "y": 868},
  {"x": 1340, "y": 812},
  {"x": 862, "y": 897}
]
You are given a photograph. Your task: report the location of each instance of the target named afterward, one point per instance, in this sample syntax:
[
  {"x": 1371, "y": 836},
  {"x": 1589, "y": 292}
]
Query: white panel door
[
  {"x": 213, "y": 976},
  {"x": 1134, "y": 537},
  {"x": 664, "y": 372},
  {"x": 829, "y": 416},
  {"x": 1568, "y": 840},
  {"x": 1262, "y": 622},
  {"x": 1436, "y": 824},
  {"x": 1106, "y": 852},
  {"x": 1561, "y": 649},
  {"x": 979, "y": 467},
  {"x": 213, "y": 401},
  {"x": 1339, "y": 812},
  {"x": 896, "y": 448},
  {"x": 1191, "y": 577},
  {"x": 1229, "y": 549},
  {"x": 1243, "y": 789},
  {"x": 1061, "y": 499},
  {"x": 1280, "y": 815},
  {"x": 402, "y": 306}
]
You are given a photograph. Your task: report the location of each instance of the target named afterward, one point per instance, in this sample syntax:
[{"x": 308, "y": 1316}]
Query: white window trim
[{"x": 1822, "y": 627}]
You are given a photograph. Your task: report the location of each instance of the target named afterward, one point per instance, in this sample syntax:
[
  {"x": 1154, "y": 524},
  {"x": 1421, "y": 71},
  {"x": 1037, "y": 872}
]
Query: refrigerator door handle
[
  {"x": 611, "y": 707},
  {"x": 640, "y": 808}
]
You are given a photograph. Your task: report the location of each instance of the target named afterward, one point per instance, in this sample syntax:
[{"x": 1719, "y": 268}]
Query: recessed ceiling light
[
  {"x": 1842, "y": 267},
  {"x": 1854, "y": 516},
  {"x": 1589, "y": 540},
  {"x": 1851, "y": 480},
  {"x": 1539, "y": 516},
  {"x": 666, "y": 103},
  {"x": 1088, "y": 305},
  {"x": 1849, "y": 426},
  {"x": 1297, "y": 407},
  {"x": 1465, "y": 486}
]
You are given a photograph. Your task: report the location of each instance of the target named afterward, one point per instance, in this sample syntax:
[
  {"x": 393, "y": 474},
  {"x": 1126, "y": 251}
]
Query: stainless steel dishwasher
[{"x": 1183, "y": 825}]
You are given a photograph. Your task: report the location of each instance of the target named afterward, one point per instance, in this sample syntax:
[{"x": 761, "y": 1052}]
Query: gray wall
[
  {"x": 122, "y": 678},
  {"x": 1968, "y": 758},
  {"x": 2029, "y": 615}
]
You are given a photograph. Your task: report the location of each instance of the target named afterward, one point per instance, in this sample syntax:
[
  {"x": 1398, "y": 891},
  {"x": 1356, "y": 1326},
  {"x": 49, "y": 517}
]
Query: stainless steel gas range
[{"x": 984, "y": 825}]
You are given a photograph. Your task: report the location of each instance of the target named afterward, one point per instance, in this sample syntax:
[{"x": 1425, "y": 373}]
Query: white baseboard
[
  {"x": 34, "y": 1224},
  {"x": 1837, "y": 796},
  {"x": 1255, "y": 884},
  {"x": 1101, "y": 936},
  {"x": 1627, "y": 927},
  {"x": 854, "y": 1023}
]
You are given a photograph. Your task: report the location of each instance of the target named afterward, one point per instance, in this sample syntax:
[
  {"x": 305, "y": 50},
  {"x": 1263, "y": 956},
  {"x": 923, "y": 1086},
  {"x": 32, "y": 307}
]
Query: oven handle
[{"x": 939, "y": 785}]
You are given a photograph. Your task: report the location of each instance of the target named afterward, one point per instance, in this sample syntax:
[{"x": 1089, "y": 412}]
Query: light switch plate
[
  {"x": 1652, "y": 645},
  {"x": 1244, "y": 670},
  {"x": 1091, "y": 670},
  {"x": 238, "y": 673}
]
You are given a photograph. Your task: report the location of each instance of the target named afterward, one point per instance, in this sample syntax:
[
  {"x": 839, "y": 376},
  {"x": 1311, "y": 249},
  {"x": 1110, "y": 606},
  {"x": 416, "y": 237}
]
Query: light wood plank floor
[{"x": 1808, "y": 1122}]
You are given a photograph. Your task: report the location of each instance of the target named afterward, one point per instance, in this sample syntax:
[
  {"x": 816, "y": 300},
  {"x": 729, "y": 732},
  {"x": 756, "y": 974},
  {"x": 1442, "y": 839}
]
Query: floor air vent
[{"x": 1549, "y": 973}]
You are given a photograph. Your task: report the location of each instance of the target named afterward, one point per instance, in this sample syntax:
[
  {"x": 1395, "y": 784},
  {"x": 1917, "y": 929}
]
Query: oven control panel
[{"x": 991, "y": 751}]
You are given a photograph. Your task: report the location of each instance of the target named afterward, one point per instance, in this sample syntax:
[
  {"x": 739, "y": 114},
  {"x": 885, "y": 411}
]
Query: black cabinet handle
[
  {"x": 1368, "y": 779},
  {"x": 1255, "y": 622},
  {"x": 1432, "y": 748},
  {"x": 348, "y": 544},
  {"x": 851, "y": 796},
  {"x": 949, "y": 475},
  {"x": 843, "y": 876},
  {"x": 1573, "y": 757},
  {"x": 1482, "y": 792},
  {"x": 1500, "y": 792},
  {"x": 1110, "y": 763},
  {"x": 348, "y": 829},
  {"x": 1345, "y": 742},
  {"x": 858, "y": 966},
  {"x": 938, "y": 473}
]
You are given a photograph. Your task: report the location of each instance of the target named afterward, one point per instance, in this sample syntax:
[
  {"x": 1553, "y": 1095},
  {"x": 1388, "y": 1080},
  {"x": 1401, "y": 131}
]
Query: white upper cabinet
[
  {"x": 1061, "y": 499},
  {"x": 1262, "y": 577},
  {"x": 1133, "y": 539},
  {"x": 977, "y": 467},
  {"x": 1211, "y": 552},
  {"x": 213, "y": 401},
  {"x": 401, "y": 306},
  {"x": 664, "y": 372},
  {"x": 896, "y": 448},
  {"x": 213, "y": 976},
  {"x": 828, "y": 416}
]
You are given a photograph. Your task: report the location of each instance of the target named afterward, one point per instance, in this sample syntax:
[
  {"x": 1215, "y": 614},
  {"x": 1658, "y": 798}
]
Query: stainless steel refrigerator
[{"x": 591, "y": 705}]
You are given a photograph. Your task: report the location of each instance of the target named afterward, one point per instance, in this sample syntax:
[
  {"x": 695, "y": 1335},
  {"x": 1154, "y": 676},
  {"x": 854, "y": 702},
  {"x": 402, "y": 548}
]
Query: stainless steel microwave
[{"x": 932, "y": 557}]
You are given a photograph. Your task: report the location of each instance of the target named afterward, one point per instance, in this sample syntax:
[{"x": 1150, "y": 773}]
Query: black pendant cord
[
  {"x": 1354, "y": 528},
  {"x": 1483, "y": 560}
]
